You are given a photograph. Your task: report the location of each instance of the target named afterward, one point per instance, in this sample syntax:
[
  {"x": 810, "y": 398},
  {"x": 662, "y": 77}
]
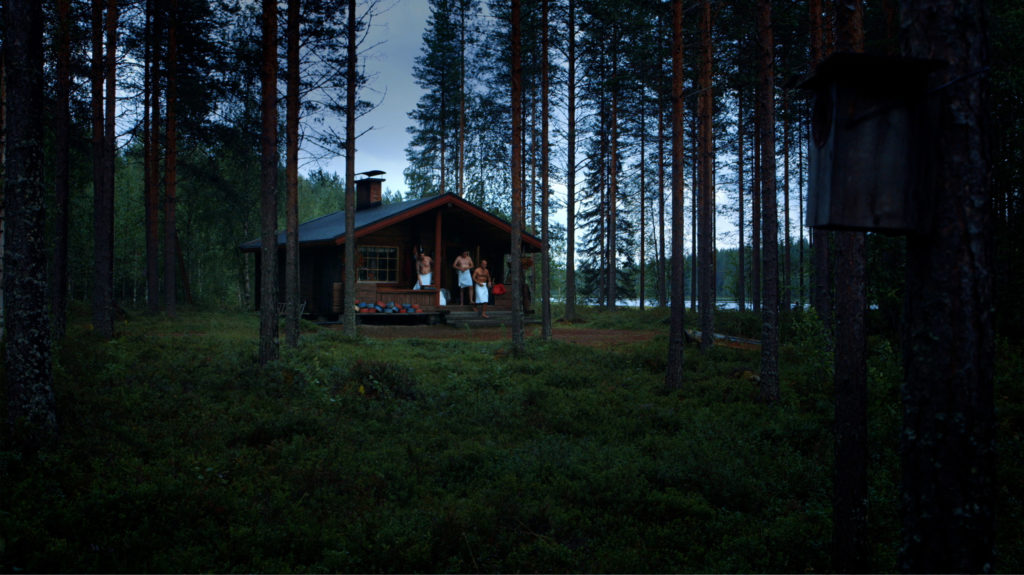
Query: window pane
[{"x": 378, "y": 264}]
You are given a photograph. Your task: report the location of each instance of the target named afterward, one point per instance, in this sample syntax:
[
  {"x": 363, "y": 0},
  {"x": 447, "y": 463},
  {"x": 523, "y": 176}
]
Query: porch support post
[{"x": 437, "y": 254}]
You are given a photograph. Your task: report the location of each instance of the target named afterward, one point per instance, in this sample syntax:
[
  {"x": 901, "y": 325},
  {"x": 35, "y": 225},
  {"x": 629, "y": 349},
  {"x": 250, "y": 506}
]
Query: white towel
[{"x": 424, "y": 280}]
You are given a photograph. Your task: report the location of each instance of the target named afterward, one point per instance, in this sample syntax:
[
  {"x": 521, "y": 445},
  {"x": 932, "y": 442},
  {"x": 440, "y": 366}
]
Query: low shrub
[{"x": 178, "y": 453}]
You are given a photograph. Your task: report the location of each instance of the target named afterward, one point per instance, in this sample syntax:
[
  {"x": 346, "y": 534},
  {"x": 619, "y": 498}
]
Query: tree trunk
[
  {"x": 787, "y": 268},
  {"x": 570, "y": 179},
  {"x": 643, "y": 198},
  {"x": 769, "y": 392},
  {"x": 518, "y": 336},
  {"x": 110, "y": 151},
  {"x": 705, "y": 106},
  {"x": 269, "y": 349},
  {"x": 613, "y": 199},
  {"x": 741, "y": 286},
  {"x": 443, "y": 134},
  {"x": 662, "y": 272},
  {"x": 152, "y": 170},
  {"x": 849, "y": 507},
  {"x": 948, "y": 451},
  {"x": 31, "y": 411},
  {"x": 755, "y": 218},
  {"x": 102, "y": 297},
  {"x": 820, "y": 239},
  {"x": 350, "y": 176},
  {"x": 461, "y": 171},
  {"x": 531, "y": 134},
  {"x": 677, "y": 336},
  {"x": 62, "y": 184},
  {"x": 694, "y": 210},
  {"x": 291, "y": 265},
  {"x": 802, "y": 295},
  {"x": 171, "y": 167},
  {"x": 3, "y": 160},
  {"x": 545, "y": 298}
]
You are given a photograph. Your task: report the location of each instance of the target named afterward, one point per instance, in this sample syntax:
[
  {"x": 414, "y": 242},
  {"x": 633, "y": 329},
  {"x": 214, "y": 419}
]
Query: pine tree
[
  {"x": 706, "y": 161},
  {"x": 268, "y": 186},
  {"x": 438, "y": 140},
  {"x": 518, "y": 335},
  {"x": 948, "y": 451},
  {"x": 291, "y": 274},
  {"x": 677, "y": 337},
  {"x": 31, "y": 410},
  {"x": 769, "y": 215},
  {"x": 850, "y": 495}
]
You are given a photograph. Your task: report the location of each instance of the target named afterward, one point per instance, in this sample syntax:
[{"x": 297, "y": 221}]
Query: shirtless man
[
  {"x": 463, "y": 264},
  {"x": 482, "y": 282},
  {"x": 423, "y": 262}
]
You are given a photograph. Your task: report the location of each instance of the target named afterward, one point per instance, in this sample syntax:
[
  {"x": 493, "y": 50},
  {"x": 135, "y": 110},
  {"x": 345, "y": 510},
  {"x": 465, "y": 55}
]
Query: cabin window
[{"x": 378, "y": 264}]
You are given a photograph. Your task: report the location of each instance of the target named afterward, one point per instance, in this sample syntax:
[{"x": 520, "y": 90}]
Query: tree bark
[
  {"x": 570, "y": 179},
  {"x": 613, "y": 198},
  {"x": 741, "y": 286},
  {"x": 171, "y": 167},
  {"x": 707, "y": 193},
  {"x": 755, "y": 218},
  {"x": 787, "y": 260},
  {"x": 947, "y": 446},
  {"x": 62, "y": 164},
  {"x": 350, "y": 176},
  {"x": 291, "y": 265},
  {"x": 110, "y": 153},
  {"x": 460, "y": 181},
  {"x": 677, "y": 336},
  {"x": 849, "y": 509},
  {"x": 518, "y": 336},
  {"x": 269, "y": 348},
  {"x": 102, "y": 297},
  {"x": 545, "y": 298},
  {"x": 820, "y": 239},
  {"x": 643, "y": 198},
  {"x": 31, "y": 411},
  {"x": 769, "y": 392},
  {"x": 801, "y": 294},
  {"x": 152, "y": 171},
  {"x": 694, "y": 209},
  {"x": 662, "y": 272}
]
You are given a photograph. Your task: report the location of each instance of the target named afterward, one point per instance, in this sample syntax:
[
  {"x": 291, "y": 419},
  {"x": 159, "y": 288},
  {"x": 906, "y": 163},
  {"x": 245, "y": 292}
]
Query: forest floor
[
  {"x": 433, "y": 449},
  {"x": 592, "y": 337},
  {"x": 588, "y": 336}
]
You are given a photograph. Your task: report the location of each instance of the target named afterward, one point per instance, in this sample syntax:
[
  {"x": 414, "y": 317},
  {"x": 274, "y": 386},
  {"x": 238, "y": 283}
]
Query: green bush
[{"x": 178, "y": 453}]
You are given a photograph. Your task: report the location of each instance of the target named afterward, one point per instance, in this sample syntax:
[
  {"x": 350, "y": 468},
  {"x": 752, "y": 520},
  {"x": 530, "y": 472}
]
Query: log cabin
[{"x": 387, "y": 238}]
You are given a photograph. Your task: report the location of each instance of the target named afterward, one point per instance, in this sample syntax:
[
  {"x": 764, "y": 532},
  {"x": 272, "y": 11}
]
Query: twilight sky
[{"x": 396, "y": 37}]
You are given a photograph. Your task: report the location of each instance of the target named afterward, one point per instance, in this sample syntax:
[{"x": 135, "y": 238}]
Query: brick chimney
[{"x": 368, "y": 190}]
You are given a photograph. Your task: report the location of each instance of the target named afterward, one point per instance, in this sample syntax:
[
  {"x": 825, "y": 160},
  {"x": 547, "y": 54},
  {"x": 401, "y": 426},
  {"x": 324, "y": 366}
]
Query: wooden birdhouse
[{"x": 869, "y": 143}]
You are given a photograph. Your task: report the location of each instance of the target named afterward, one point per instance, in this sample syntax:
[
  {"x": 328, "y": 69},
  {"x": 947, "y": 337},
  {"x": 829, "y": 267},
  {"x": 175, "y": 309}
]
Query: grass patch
[{"x": 179, "y": 454}]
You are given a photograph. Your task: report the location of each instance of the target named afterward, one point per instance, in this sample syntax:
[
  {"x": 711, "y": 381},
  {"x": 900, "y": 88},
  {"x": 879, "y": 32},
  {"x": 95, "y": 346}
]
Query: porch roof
[{"x": 330, "y": 229}]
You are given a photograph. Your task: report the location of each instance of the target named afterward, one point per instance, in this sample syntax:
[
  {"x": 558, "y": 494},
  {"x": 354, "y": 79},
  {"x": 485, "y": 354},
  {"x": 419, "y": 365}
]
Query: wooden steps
[{"x": 470, "y": 319}]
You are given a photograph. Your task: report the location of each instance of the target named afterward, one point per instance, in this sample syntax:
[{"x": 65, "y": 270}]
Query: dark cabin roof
[{"x": 330, "y": 229}]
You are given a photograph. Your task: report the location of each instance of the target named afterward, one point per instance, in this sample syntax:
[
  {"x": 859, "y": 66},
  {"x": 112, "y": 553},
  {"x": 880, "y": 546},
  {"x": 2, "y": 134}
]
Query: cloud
[{"x": 396, "y": 37}]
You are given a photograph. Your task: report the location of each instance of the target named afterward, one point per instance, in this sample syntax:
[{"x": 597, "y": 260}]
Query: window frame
[{"x": 361, "y": 258}]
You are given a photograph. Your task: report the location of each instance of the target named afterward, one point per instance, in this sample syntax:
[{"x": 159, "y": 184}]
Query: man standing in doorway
[{"x": 463, "y": 266}]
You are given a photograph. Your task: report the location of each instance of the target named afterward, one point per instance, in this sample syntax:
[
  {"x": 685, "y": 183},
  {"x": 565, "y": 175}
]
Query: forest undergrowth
[{"x": 179, "y": 454}]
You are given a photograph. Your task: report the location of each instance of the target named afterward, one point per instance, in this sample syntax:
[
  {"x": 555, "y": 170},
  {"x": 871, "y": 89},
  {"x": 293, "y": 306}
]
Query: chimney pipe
[{"x": 368, "y": 193}]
